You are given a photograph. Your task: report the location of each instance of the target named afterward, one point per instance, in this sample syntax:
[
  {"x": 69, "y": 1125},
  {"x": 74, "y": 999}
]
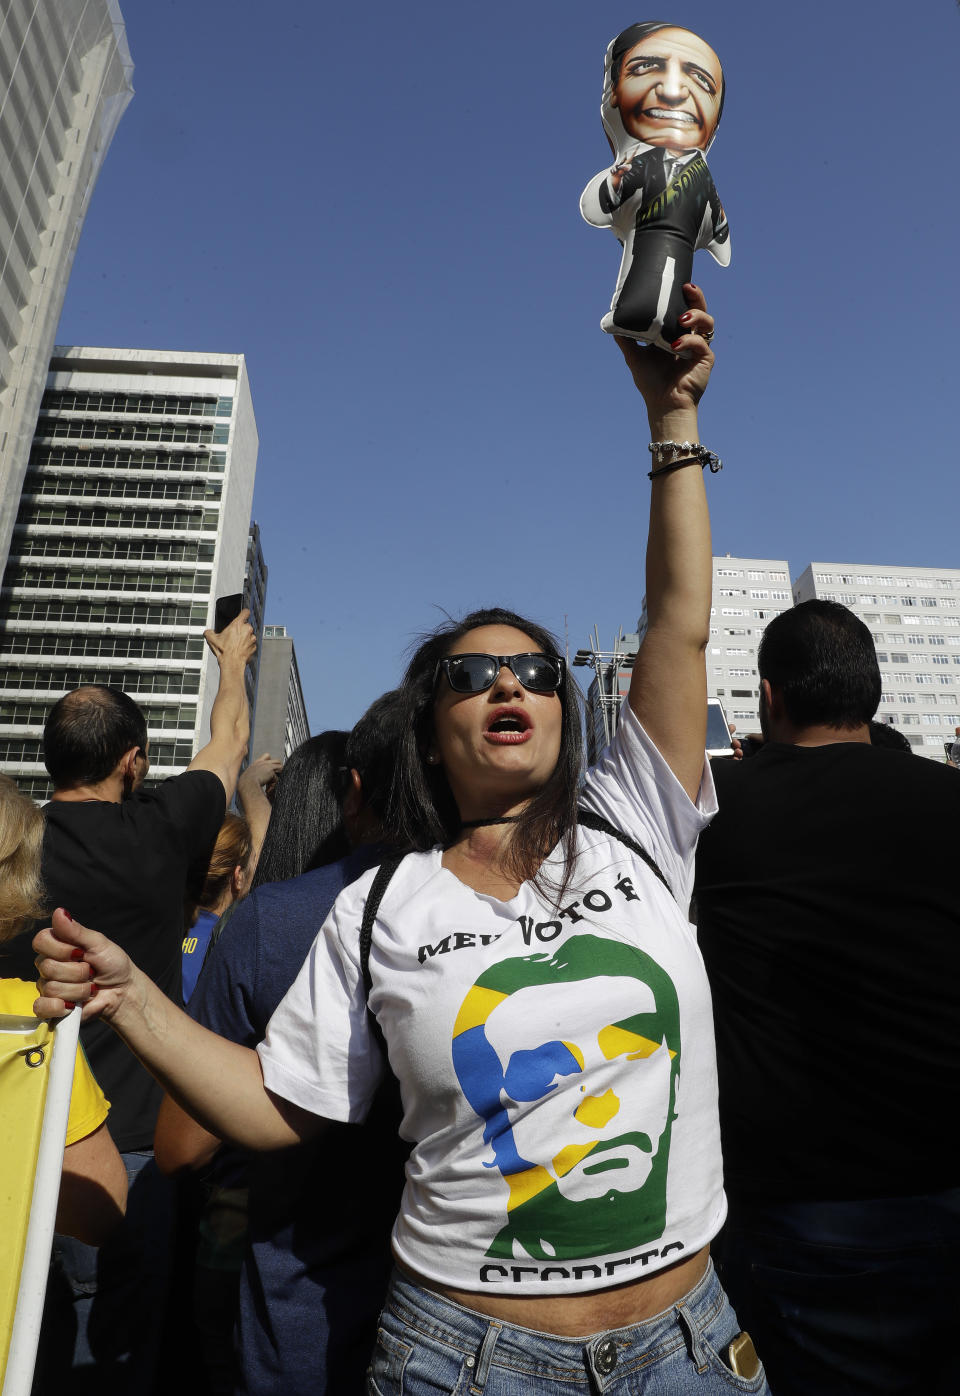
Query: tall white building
[
  {"x": 913, "y": 614},
  {"x": 65, "y": 80},
  {"x": 134, "y": 518},
  {"x": 747, "y": 593}
]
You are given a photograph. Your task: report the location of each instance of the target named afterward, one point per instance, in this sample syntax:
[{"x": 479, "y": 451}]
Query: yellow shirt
[{"x": 88, "y": 1104}]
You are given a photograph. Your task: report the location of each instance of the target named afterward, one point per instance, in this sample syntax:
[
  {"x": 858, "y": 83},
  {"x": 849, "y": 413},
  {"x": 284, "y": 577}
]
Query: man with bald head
[{"x": 121, "y": 858}]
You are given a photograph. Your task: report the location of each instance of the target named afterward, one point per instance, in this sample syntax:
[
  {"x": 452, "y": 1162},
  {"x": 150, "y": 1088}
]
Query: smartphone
[
  {"x": 718, "y": 732},
  {"x": 227, "y": 609},
  {"x": 742, "y": 1357}
]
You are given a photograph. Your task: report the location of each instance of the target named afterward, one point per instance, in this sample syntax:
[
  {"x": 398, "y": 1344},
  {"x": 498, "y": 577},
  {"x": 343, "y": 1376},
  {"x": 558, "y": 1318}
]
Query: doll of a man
[{"x": 662, "y": 98}]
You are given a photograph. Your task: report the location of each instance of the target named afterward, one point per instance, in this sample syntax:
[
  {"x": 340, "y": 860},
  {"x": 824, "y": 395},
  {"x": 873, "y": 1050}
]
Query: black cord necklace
[{"x": 482, "y": 823}]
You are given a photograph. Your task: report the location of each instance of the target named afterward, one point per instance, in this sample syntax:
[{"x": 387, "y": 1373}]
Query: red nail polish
[
  {"x": 676, "y": 343},
  {"x": 76, "y": 953},
  {"x": 94, "y": 990},
  {"x": 684, "y": 318},
  {"x": 66, "y": 913},
  {"x": 68, "y": 1004}
]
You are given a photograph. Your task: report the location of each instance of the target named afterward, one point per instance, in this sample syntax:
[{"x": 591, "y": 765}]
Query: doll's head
[{"x": 663, "y": 85}]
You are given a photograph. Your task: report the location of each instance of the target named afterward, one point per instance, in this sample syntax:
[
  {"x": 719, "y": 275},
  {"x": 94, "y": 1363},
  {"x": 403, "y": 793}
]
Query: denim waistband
[{"x": 548, "y": 1355}]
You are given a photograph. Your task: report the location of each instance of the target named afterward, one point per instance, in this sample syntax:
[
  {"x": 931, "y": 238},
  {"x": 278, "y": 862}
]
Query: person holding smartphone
[{"x": 123, "y": 857}]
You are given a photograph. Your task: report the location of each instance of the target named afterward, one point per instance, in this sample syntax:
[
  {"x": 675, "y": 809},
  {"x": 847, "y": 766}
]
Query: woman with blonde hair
[{"x": 93, "y": 1188}]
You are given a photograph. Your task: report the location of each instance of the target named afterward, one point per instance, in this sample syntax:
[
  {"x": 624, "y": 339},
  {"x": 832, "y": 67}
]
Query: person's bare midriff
[{"x": 579, "y": 1315}]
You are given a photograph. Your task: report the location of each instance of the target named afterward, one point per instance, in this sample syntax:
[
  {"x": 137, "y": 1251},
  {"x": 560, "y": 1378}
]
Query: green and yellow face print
[{"x": 572, "y": 1059}]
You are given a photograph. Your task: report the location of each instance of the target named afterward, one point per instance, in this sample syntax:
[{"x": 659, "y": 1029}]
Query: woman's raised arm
[
  {"x": 668, "y": 691},
  {"x": 218, "y": 1083}
]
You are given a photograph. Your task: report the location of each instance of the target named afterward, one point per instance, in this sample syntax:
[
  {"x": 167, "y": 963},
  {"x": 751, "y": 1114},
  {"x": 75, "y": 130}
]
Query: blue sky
[{"x": 378, "y": 206}]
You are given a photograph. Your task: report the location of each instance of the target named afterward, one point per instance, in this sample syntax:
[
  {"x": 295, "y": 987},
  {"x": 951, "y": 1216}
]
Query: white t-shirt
[{"x": 557, "y": 1066}]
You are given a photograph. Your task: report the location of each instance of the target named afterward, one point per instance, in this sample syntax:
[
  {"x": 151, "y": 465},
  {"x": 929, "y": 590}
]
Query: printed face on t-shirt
[
  {"x": 602, "y": 1136},
  {"x": 572, "y": 1061}
]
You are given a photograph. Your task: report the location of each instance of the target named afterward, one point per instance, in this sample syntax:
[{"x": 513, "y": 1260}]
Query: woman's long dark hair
[
  {"x": 425, "y": 812},
  {"x": 306, "y": 826}
]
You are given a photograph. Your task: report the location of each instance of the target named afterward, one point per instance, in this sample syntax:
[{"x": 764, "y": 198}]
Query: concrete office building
[
  {"x": 134, "y": 517},
  {"x": 65, "y": 80},
  {"x": 281, "y": 721},
  {"x": 747, "y": 593},
  {"x": 913, "y": 614}
]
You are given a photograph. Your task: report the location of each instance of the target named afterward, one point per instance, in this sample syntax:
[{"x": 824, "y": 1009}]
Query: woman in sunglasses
[{"x": 539, "y": 989}]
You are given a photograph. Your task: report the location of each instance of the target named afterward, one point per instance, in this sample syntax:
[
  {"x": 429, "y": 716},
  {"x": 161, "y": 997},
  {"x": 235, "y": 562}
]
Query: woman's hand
[
  {"x": 77, "y": 966},
  {"x": 259, "y": 776},
  {"x": 672, "y": 386}
]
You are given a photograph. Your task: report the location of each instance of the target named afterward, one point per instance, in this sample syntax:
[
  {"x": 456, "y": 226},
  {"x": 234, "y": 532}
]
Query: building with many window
[
  {"x": 134, "y": 517},
  {"x": 281, "y": 721},
  {"x": 747, "y": 593},
  {"x": 65, "y": 81},
  {"x": 913, "y": 614}
]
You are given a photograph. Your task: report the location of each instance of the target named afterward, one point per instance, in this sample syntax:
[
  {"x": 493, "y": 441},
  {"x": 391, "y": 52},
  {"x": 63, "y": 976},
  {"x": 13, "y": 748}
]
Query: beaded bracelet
[{"x": 691, "y": 451}]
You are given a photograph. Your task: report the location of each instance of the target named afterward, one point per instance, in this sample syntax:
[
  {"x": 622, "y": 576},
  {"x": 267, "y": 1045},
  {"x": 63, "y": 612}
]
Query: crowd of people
[{"x": 498, "y": 1076}]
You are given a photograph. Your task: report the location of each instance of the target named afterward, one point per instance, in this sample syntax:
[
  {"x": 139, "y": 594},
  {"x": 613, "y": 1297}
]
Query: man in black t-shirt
[
  {"x": 829, "y": 924},
  {"x": 121, "y": 858}
]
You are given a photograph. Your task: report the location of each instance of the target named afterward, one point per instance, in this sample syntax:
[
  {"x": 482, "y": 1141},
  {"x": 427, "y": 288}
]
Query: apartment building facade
[
  {"x": 747, "y": 593},
  {"x": 134, "y": 517},
  {"x": 65, "y": 81},
  {"x": 913, "y": 614}
]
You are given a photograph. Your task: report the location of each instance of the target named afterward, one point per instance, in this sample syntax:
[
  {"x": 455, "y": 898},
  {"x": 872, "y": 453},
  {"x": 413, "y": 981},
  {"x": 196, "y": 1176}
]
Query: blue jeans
[
  {"x": 103, "y": 1324},
  {"x": 428, "y": 1345},
  {"x": 846, "y": 1298}
]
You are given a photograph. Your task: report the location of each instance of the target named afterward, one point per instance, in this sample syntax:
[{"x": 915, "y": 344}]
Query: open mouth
[{"x": 508, "y": 726}]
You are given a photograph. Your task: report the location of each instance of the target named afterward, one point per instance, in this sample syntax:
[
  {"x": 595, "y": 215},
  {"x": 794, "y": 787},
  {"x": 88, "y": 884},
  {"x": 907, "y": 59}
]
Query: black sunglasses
[{"x": 475, "y": 673}]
